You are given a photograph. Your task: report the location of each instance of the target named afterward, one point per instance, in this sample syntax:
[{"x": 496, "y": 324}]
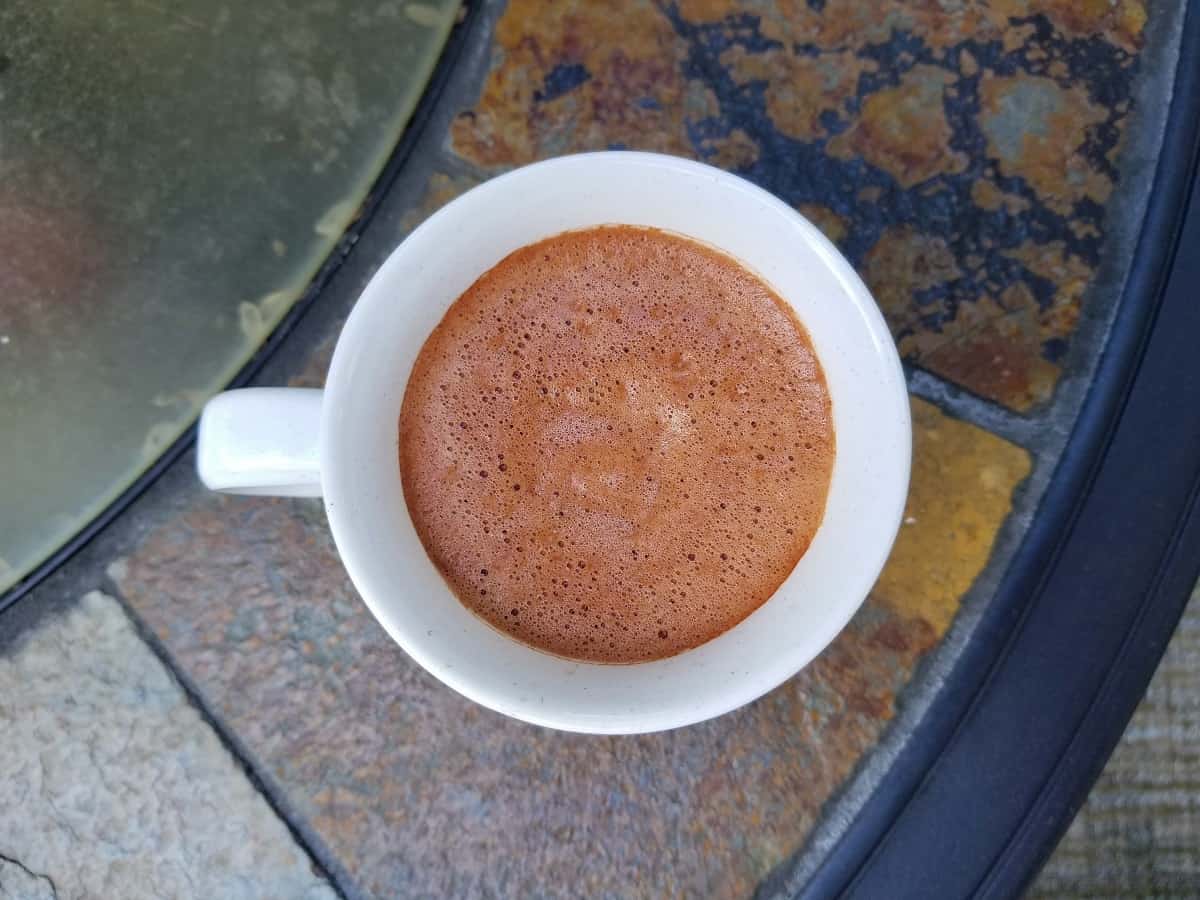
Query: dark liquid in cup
[{"x": 617, "y": 444}]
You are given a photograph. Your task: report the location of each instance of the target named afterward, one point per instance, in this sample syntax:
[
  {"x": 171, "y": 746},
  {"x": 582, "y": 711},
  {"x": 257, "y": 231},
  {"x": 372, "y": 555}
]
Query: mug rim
[{"x": 339, "y": 490}]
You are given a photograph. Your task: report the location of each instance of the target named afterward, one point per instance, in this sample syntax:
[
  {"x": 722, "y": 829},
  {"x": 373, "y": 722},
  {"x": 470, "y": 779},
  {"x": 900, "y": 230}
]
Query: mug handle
[{"x": 261, "y": 441}]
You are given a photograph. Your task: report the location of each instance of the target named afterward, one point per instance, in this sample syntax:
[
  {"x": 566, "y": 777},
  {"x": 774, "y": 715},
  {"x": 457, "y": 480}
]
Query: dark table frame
[{"x": 1005, "y": 756}]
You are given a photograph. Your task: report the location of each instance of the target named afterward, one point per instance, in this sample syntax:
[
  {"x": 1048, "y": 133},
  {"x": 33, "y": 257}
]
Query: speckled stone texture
[
  {"x": 112, "y": 785},
  {"x": 961, "y": 154},
  {"x": 418, "y": 791},
  {"x": 1138, "y": 835}
]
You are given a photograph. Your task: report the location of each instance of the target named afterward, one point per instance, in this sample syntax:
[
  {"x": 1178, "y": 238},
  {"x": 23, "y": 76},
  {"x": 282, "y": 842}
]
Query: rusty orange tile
[
  {"x": 1121, "y": 21},
  {"x": 831, "y": 224},
  {"x": 968, "y": 132},
  {"x": 803, "y": 89},
  {"x": 573, "y": 77},
  {"x": 987, "y": 195},
  {"x": 1037, "y": 130},
  {"x": 989, "y": 344},
  {"x": 903, "y": 263},
  {"x": 736, "y": 150},
  {"x": 903, "y": 130}
]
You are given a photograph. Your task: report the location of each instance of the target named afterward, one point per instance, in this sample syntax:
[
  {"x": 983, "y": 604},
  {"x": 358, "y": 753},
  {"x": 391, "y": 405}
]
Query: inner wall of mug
[{"x": 409, "y": 296}]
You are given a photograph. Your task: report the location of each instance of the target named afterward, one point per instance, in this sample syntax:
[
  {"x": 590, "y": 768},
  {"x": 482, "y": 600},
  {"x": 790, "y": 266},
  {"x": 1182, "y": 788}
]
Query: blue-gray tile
[{"x": 123, "y": 789}]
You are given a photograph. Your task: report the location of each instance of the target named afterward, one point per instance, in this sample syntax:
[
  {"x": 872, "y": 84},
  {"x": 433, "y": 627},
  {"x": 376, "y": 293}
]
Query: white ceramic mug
[{"x": 341, "y": 443}]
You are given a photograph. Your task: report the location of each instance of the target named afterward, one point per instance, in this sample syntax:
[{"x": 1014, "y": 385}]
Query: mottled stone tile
[
  {"x": 573, "y": 76},
  {"x": 801, "y": 92},
  {"x": 417, "y": 791},
  {"x": 991, "y": 342},
  {"x": 1120, "y": 21},
  {"x": 831, "y": 224},
  {"x": 903, "y": 129},
  {"x": 991, "y": 130},
  {"x": 962, "y": 483},
  {"x": 1037, "y": 130},
  {"x": 735, "y": 150},
  {"x": 112, "y": 784}
]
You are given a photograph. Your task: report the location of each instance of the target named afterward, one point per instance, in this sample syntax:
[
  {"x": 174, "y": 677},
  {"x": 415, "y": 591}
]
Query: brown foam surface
[{"x": 617, "y": 444}]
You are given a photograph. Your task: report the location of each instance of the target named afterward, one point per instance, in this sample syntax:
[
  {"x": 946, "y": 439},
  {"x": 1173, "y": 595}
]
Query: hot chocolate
[{"x": 616, "y": 444}]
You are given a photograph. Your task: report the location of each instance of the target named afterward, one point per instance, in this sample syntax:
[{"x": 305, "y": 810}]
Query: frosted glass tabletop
[{"x": 171, "y": 176}]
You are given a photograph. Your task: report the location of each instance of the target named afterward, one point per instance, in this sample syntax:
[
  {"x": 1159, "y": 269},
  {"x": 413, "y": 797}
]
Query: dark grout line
[
  {"x": 321, "y": 856},
  {"x": 1025, "y": 432}
]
